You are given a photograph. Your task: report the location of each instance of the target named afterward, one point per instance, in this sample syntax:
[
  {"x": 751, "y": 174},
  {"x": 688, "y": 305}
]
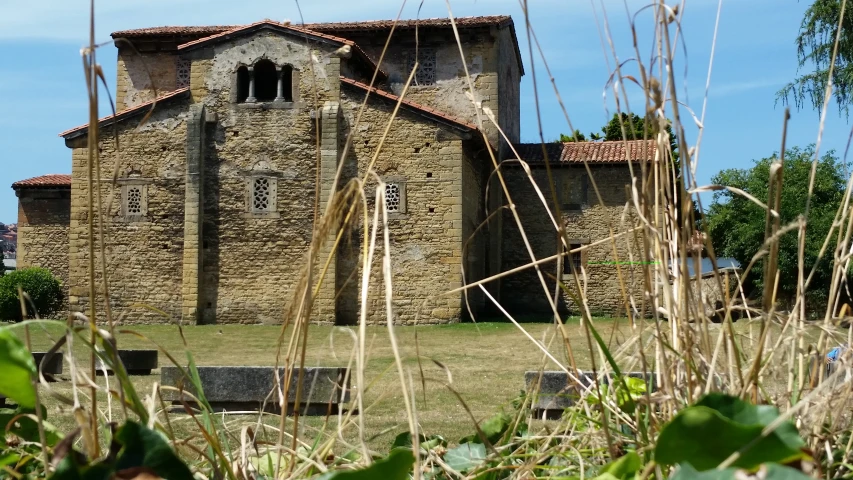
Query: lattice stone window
[
  {"x": 182, "y": 73},
  {"x": 134, "y": 199},
  {"x": 395, "y": 196},
  {"x": 426, "y": 66},
  {"x": 262, "y": 195}
]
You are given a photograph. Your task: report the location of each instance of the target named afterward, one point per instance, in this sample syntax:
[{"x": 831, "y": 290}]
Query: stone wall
[
  {"x": 426, "y": 240},
  {"x": 138, "y": 75},
  {"x": 484, "y": 49},
  {"x": 591, "y": 222},
  {"x": 43, "y": 223},
  {"x": 143, "y": 252}
]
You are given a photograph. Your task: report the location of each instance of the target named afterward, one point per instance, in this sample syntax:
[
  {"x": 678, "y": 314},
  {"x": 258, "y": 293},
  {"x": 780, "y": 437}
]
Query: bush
[{"x": 44, "y": 289}]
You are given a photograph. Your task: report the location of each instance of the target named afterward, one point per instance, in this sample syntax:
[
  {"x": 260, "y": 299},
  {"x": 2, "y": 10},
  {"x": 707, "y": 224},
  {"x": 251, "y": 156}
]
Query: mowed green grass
[{"x": 486, "y": 361}]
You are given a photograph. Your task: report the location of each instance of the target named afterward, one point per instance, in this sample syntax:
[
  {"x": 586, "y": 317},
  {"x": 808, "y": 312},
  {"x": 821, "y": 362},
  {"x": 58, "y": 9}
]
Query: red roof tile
[
  {"x": 45, "y": 181},
  {"x": 435, "y": 114},
  {"x": 201, "y": 32},
  {"x": 616, "y": 151},
  {"x": 174, "y": 30},
  {"x": 126, "y": 113}
]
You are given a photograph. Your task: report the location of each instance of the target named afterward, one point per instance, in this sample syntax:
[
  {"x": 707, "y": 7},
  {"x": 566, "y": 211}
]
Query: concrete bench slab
[
  {"x": 136, "y": 362},
  {"x": 556, "y": 391},
  {"x": 52, "y": 365},
  {"x": 250, "y": 388}
]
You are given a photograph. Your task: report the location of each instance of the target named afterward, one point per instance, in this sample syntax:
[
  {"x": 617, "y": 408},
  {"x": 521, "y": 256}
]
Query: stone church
[{"x": 225, "y": 135}]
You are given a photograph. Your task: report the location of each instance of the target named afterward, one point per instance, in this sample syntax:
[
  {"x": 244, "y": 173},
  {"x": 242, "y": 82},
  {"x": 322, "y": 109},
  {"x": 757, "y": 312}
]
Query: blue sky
[{"x": 42, "y": 91}]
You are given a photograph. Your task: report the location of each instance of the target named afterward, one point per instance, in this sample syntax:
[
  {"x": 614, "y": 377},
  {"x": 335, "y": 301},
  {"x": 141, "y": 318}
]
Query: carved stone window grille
[
  {"x": 134, "y": 200},
  {"x": 392, "y": 197},
  {"x": 183, "y": 73},
  {"x": 426, "y": 66},
  {"x": 261, "y": 194}
]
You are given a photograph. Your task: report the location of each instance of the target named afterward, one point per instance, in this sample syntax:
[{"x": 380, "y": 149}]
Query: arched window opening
[
  {"x": 242, "y": 84},
  {"x": 266, "y": 81},
  {"x": 286, "y": 84}
]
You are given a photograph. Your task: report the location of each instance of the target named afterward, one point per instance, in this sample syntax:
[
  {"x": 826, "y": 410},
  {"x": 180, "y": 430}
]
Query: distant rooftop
[
  {"x": 616, "y": 151},
  {"x": 52, "y": 180}
]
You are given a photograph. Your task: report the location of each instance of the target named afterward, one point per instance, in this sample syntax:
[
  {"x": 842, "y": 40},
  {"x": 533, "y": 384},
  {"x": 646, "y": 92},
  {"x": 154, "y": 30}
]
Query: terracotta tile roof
[
  {"x": 45, "y": 181},
  {"x": 592, "y": 152},
  {"x": 418, "y": 108},
  {"x": 483, "y": 21},
  {"x": 126, "y": 113},
  {"x": 175, "y": 30},
  {"x": 200, "y": 32},
  {"x": 264, "y": 24}
]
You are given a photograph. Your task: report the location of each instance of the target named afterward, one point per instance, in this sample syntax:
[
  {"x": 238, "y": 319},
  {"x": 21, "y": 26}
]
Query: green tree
[
  {"x": 2, "y": 264},
  {"x": 736, "y": 225},
  {"x": 575, "y": 137},
  {"x": 815, "y": 46}
]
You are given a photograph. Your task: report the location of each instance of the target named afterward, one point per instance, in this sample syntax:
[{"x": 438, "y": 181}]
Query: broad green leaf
[
  {"x": 707, "y": 433},
  {"x": 26, "y": 427},
  {"x": 396, "y": 466},
  {"x": 143, "y": 447},
  {"x": 18, "y": 369},
  {"x": 426, "y": 443},
  {"x": 493, "y": 429},
  {"x": 625, "y": 466},
  {"x": 773, "y": 472},
  {"x": 465, "y": 456}
]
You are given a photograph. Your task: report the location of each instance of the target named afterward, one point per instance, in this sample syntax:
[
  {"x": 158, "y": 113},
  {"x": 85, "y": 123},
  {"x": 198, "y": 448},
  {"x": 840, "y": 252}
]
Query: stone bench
[
  {"x": 251, "y": 389},
  {"x": 51, "y": 366},
  {"x": 556, "y": 391},
  {"x": 136, "y": 362}
]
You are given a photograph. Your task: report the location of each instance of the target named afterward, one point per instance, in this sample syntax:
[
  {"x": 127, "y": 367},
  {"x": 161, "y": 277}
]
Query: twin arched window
[{"x": 264, "y": 81}]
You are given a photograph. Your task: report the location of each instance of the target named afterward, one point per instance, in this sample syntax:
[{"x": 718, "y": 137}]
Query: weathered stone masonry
[{"x": 211, "y": 215}]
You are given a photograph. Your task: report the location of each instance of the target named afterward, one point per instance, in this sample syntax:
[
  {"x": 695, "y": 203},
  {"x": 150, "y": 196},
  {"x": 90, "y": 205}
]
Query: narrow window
[
  {"x": 426, "y": 66},
  {"x": 242, "y": 84},
  {"x": 182, "y": 73},
  {"x": 261, "y": 195},
  {"x": 285, "y": 84},
  {"x": 574, "y": 257},
  {"x": 266, "y": 81},
  {"x": 392, "y": 197},
  {"x": 134, "y": 200}
]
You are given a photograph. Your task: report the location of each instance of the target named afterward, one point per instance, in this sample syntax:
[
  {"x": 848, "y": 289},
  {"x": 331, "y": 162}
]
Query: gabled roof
[
  {"x": 244, "y": 30},
  {"x": 53, "y": 180},
  {"x": 616, "y": 151},
  {"x": 200, "y": 32},
  {"x": 423, "y": 110},
  {"x": 126, "y": 113}
]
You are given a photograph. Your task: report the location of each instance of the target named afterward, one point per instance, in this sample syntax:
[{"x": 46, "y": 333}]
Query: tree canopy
[
  {"x": 815, "y": 46},
  {"x": 635, "y": 128},
  {"x": 737, "y": 225}
]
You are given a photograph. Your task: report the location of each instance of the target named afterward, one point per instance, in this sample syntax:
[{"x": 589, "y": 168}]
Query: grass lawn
[{"x": 487, "y": 362}]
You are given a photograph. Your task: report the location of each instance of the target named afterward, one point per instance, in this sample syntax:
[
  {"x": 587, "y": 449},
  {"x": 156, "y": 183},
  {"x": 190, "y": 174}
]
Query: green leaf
[
  {"x": 773, "y": 472},
  {"x": 466, "y": 456},
  {"x": 26, "y": 427},
  {"x": 493, "y": 429},
  {"x": 404, "y": 440},
  {"x": 707, "y": 433},
  {"x": 18, "y": 369},
  {"x": 143, "y": 447},
  {"x": 623, "y": 467},
  {"x": 396, "y": 466}
]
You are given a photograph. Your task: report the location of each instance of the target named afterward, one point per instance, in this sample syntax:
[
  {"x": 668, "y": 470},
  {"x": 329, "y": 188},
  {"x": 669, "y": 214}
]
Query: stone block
[
  {"x": 237, "y": 388},
  {"x": 556, "y": 391},
  {"x": 136, "y": 362},
  {"x": 50, "y": 366}
]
